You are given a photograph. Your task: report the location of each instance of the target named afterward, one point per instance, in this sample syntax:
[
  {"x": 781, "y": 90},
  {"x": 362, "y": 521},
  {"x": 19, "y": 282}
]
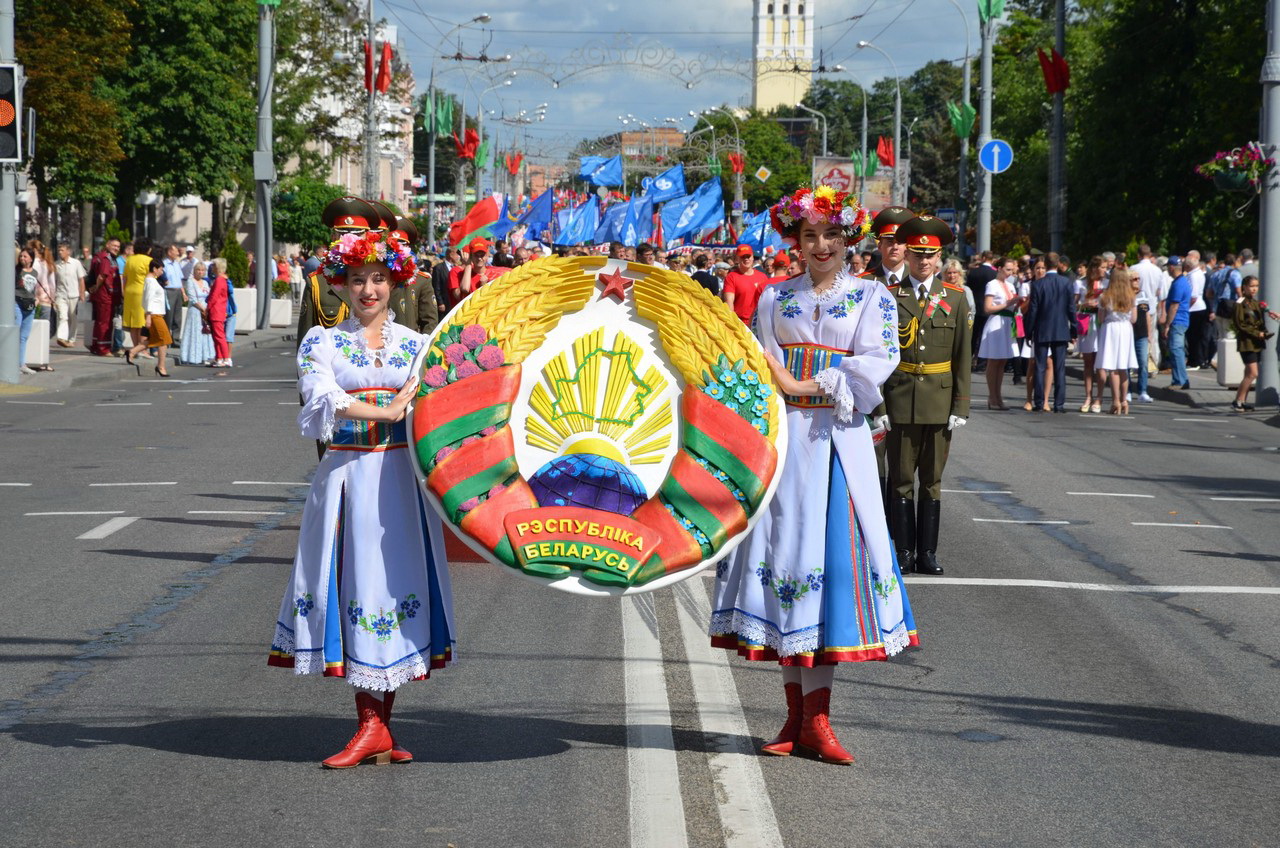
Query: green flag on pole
[
  {"x": 713, "y": 163},
  {"x": 988, "y": 9},
  {"x": 482, "y": 155},
  {"x": 962, "y": 116},
  {"x": 444, "y": 113}
]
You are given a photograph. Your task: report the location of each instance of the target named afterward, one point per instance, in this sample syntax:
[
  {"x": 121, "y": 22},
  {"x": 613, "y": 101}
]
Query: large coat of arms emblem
[{"x": 601, "y": 426}]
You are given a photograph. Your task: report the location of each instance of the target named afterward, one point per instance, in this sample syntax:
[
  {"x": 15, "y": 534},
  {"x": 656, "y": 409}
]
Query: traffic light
[{"x": 10, "y": 115}]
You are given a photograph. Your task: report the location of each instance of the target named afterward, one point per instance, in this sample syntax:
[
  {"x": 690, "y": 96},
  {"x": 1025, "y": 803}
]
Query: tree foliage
[
  {"x": 296, "y": 213},
  {"x": 66, "y": 50}
]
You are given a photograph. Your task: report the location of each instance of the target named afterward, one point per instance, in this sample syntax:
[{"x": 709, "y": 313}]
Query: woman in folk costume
[
  {"x": 816, "y": 584},
  {"x": 369, "y": 599}
]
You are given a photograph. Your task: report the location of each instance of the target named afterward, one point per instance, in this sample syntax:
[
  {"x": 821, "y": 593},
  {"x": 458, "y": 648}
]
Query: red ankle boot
[
  {"x": 782, "y": 745},
  {"x": 372, "y": 742},
  {"x": 816, "y": 734},
  {"x": 398, "y": 753}
]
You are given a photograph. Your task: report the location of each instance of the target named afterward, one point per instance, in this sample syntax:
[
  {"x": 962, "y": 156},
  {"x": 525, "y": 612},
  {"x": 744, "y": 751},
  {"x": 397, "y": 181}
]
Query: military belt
[{"x": 929, "y": 368}]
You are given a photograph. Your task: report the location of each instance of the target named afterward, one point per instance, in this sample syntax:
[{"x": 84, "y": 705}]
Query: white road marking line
[
  {"x": 1174, "y": 524},
  {"x": 977, "y": 491},
  {"x": 186, "y": 391},
  {"x": 285, "y": 403},
  {"x": 656, "y": 808},
  {"x": 746, "y": 814},
  {"x": 1110, "y": 494},
  {"x": 94, "y": 512},
  {"x": 915, "y": 581},
  {"x": 15, "y": 484},
  {"x": 117, "y": 403},
  {"x": 224, "y": 381},
  {"x": 1247, "y": 500},
  {"x": 39, "y": 402},
  {"x": 166, "y": 483},
  {"x": 254, "y": 390},
  {"x": 1017, "y": 521},
  {"x": 1218, "y": 418},
  {"x": 231, "y": 512},
  {"x": 215, "y": 403},
  {"x": 265, "y": 483},
  {"x": 108, "y": 527}
]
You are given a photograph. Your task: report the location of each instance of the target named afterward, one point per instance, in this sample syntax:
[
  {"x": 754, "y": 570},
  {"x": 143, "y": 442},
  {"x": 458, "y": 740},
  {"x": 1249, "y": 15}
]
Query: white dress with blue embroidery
[
  {"x": 369, "y": 598},
  {"x": 816, "y": 581}
]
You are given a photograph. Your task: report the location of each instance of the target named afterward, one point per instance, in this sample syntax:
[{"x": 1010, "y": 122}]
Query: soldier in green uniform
[
  {"x": 927, "y": 398},
  {"x": 320, "y": 303},
  {"x": 891, "y": 267},
  {"x": 415, "y": 302}
]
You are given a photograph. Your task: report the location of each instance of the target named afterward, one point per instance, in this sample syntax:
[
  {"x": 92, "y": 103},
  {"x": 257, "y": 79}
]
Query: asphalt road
[{"x": 1091, "y": 674}]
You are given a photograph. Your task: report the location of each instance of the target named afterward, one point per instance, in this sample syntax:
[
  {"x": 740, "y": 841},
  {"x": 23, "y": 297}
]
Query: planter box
[
  {"x": 246, "y": 310},
  {"x": 1230, "y": 365},
  {"x": 1232, "y": 181},
  {"x": 281, "y": 314},
  {"x": 37, "y": 351}
]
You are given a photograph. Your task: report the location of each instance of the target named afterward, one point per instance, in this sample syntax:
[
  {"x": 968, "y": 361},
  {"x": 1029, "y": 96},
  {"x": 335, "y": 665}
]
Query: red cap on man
[
  {"x": 744, "y": 250},
  {"x": 478, "y": 245}
]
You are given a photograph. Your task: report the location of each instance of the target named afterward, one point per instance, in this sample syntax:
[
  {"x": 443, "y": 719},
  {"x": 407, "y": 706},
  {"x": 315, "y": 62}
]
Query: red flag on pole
[
  {"x": 384, "y": 69},
  {"x": 368, "y": 67},
  {"x": 467, "y": 145},
  {"x": 1057, "y": 74},
  {"x": 884, "y": 151},
  {"x": 737, "y": 161}
]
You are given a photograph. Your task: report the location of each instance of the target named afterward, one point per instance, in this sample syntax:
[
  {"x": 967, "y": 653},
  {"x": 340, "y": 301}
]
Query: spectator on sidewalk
[
  {"x": 742, "y": 285},
  {"x": 1248, "y": 264},
  {"x": 978, "y": 280},
  {"x": 1198, "y": 331},
  {"x": 1251, "y": 338},
  {"x": 1176, "y": 320},
  {"x": 217, "y": 312},
  {"x": 1224, "y": 292},
  {"x": 1142, "y": 326},
  {"x": 154, "y": 303},
  {"x": 197, "y": 342},
  {"x": 1000, "y": 304},
  {"x": 1087, "y": 291},
  {"x": 136, "y": 267},
  {"x": 173, "y": 281},
  {"x": 704, "y": 277},
  {"x": 1116, "y": 315},
  {"x": 189, "y": 262},
  {"x": 69, "y": 293},
  {"x": 104, "y": 295},
  {"x": 1051, "y": 322},
  {"x": 24, "y": 304}
]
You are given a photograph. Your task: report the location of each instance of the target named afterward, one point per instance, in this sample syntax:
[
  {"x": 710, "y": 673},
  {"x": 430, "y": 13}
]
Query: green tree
[
  {"x": 296, "y": 213},
  {"x": 66, "y": 49},
  {"x": 237, "y": 261}
]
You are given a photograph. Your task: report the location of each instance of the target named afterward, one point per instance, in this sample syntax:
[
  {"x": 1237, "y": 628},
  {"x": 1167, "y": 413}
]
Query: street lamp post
[
  {"x": 433, "y": 130},
  {"x": 898, "y": 197},
  {"x": 264, "y": 168},
  {"x": 962, "y": 202},
  {"x": 479, "y": 166},
  {"x": 825, "y": 151},
  {"x": 737, "y": 175}
]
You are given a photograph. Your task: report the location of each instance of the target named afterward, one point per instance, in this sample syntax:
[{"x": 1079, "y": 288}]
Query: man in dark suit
[
  {"x": 1051, "y": 322},
  {"x": 976, "y": 279}
]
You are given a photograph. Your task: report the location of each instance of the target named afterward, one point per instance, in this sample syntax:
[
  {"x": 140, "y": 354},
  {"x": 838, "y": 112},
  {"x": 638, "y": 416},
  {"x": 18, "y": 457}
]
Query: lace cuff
[
  {"x": 835, "y": 385},
  {"x": 319, "y": 417}
]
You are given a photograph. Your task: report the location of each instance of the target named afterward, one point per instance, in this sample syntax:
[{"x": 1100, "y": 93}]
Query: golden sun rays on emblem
[{"x": 596, "y": 400}]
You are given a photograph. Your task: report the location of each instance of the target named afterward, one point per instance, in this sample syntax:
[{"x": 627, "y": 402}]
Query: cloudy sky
[{"x": 552, "y": 32}]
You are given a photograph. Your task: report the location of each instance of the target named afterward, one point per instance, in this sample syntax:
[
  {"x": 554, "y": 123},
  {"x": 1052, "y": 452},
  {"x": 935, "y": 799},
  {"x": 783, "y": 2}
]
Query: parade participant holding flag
[
  {"x": 363, "y": 602},
  {"x": 815, "y": 583}
]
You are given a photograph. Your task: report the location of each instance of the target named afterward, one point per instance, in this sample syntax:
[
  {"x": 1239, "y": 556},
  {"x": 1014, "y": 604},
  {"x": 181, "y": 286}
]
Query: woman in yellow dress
[{"x": 135, "y": 278}]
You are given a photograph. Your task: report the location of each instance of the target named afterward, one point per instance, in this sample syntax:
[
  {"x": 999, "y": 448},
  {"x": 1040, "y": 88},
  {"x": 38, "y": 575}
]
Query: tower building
[{"x": 783, "y": 57}]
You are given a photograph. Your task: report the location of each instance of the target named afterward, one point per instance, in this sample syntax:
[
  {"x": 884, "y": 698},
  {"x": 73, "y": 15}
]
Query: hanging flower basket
[{"x": 1240, "y": 169}]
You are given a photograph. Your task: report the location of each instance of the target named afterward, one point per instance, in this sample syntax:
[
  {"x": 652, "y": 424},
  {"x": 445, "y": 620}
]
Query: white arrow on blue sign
[{"x": 995, "y": 156}]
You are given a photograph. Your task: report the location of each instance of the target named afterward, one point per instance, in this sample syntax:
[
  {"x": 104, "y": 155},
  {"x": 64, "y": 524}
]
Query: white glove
[
  {"x": 881, "y": 422},
  {"x": 955, "y": 422}
]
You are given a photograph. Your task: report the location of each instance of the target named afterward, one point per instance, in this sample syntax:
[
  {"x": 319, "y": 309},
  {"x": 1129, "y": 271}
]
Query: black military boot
[
  {"x": 929, "y": 513},
  {"x": 902, "y": 527}
]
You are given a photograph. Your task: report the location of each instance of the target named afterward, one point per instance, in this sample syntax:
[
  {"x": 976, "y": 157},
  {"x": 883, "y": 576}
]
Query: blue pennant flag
[
  {"x": 562, "y": 220},
  {"x": 637, "y": 226},
  {"x": 582, "y": 223},
  {"x": 667, "y": 186},
  {"x": 505, "y": 223},
  {"x": 758, "y": 233},
  {"x": 538, "y": 216},
  {"x": 601, "y": 170},
  {"x": 610, "y": 228},
  {"x": 701, "y": 210}
]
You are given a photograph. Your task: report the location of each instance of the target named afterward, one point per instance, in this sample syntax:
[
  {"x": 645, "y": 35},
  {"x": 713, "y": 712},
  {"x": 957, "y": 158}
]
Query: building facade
[{"x": 782, "y": 66}]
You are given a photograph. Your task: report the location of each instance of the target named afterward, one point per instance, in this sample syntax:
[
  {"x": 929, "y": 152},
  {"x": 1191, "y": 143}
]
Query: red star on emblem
[{"x": 615, "y": 284}]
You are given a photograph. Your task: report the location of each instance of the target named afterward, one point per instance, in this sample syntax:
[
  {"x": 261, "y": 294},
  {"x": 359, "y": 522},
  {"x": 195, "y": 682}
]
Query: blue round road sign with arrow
[{"x": 995, "y": 156}]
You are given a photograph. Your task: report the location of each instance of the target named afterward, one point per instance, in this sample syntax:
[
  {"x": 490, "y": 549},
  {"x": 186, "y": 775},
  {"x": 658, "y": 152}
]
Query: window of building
[
  {"x": 786, "y": 8},
  {"x": 801, "y": 9},
  {"x": 770, "y": 9}
]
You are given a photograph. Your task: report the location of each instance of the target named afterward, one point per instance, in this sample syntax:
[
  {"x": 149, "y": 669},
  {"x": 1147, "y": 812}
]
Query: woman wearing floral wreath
[
  {"x": 816, "y": 584},
  {"x": 369, "y": 599}
]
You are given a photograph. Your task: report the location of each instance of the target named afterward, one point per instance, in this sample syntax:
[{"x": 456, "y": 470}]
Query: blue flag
[
  {"x": 582, "y": 223},
  {"x": 701, "y": 210},
  {"x": 667, "y": 186},
  {"x": 637, "y": 226},
  {"x": 538, "y": 216},
  {"x": 610, "y": 228},
  {"x": 601, "y": 171},
  {"x": 758, "y": 233},
  {"x": 505, "y": 222}
]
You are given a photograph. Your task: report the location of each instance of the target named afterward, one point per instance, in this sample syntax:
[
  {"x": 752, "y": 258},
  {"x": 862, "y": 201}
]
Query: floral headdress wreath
[
  {"x": 368, "y": 248},
  {"x": 823, "y": 205}
]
